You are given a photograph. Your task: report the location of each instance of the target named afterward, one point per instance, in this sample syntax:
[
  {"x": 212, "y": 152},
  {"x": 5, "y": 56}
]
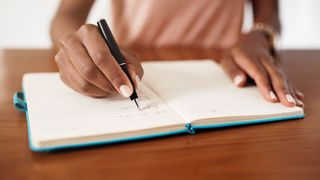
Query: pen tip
[{"x": 136, "y": 101}]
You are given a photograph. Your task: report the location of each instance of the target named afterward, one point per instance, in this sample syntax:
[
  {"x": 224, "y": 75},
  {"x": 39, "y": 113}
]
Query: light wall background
[{"x": 25, "y": 24}]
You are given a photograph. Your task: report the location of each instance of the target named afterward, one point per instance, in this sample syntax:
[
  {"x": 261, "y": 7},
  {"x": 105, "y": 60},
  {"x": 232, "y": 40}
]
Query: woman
[{"x": 87, "y": 66}]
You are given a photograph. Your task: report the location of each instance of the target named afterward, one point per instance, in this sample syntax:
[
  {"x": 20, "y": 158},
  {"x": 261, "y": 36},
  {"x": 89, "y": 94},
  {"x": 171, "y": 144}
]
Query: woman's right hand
[{"x": 87, "y": 65}]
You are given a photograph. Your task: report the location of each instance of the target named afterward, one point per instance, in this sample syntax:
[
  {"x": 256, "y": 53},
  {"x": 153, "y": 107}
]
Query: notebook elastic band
[{"x": 19, "y": 103}]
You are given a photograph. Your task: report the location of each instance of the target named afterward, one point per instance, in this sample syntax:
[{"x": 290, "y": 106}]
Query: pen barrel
[
  {"x": 115, "y": 51},
  {"x": 110, "y": 40},
  {"x": 124, "y": 68}
]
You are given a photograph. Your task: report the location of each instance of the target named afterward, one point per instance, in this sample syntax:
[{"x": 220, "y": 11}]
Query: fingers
[
  {"x": 299, "y": 94},
  {"x": 87, "y": 65},
  {"x": 65, "y": 80},
  {"x": 279, "y": 82},
  {"x": 83, "y": 64},
  {"x": 252, "y": 55},
  {"x": 72, "y": 79},
  {"x": 233, "y": 71},
  {"x": 134, "y": 68},
  {"x": 257, "y": 72},
  {"x": 297, "y": 100},
  {"x": 104, "y": 61}
]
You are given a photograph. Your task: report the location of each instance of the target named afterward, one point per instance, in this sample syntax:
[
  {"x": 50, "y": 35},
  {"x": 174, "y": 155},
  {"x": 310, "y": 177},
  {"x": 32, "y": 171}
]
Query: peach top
[{"x": 177, "y": 23}]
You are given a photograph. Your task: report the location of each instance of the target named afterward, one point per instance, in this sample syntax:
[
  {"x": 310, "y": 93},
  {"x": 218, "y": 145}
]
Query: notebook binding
[{"x": 190, "y": 128}]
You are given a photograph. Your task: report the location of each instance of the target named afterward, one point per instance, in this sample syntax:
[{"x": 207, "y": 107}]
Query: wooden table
[{"x": 282, "y": 150}]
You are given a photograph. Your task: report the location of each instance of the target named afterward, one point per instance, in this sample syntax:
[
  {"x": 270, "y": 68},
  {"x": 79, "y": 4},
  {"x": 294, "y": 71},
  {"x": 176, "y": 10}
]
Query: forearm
[
  {"x": 68, "y": 19},
  {"x": 267, "y": 11}
]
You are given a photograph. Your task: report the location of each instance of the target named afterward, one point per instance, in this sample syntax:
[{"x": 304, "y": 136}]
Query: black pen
[{"x": 115, "y": 51}]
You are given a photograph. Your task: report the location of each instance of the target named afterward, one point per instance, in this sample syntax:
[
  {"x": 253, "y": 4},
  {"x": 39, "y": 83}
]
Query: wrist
[{"x": 267, "y": 30}]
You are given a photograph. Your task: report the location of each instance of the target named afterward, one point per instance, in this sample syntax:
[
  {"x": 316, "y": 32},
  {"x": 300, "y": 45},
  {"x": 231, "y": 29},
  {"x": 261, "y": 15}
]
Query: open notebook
[{"x": 176, "y": 97}]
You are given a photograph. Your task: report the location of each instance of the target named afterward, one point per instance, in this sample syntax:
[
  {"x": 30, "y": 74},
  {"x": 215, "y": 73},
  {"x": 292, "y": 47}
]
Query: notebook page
[
  {"x": 201, "y": 90},
  {"x": 55, "y": 111}
]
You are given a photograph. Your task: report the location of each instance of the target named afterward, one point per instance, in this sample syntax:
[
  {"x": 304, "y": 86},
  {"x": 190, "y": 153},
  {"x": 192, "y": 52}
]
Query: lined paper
[
  {"x": 55, "y": 111},
  {"x": 201, "y": 90}
]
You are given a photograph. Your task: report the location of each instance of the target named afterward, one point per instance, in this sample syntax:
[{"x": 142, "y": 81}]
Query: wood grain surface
[{"x": 282, "y": 150}]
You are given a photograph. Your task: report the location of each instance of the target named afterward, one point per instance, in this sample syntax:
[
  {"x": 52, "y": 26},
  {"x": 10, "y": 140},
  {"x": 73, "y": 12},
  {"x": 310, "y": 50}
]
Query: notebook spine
[{"x": 190, "y": 129}]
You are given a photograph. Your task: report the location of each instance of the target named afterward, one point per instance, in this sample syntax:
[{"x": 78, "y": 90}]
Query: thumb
[{"x": 236, "y": 74}]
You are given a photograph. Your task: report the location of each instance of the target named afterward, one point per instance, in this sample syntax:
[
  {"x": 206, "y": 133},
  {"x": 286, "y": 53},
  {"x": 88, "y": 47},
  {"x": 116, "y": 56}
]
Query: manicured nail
[
  {"x": 290, "y": 99},
  {"x": 273, "y": 96},
  {"x": 238, "y": 79},
  {"x": 125, "y": 90},
  {"x": 138, "y": 82},
  {"x": 300, "y": 103}
]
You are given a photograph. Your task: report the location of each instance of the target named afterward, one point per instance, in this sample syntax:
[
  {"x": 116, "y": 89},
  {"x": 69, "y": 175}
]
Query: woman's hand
[
  {"x": 251, "y": 58},
  {"x": 87, "y": 65}
]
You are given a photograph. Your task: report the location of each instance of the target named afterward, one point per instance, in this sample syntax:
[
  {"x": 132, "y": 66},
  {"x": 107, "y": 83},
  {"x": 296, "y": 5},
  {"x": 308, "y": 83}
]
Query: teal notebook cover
[{"x": 21, "y": 105}]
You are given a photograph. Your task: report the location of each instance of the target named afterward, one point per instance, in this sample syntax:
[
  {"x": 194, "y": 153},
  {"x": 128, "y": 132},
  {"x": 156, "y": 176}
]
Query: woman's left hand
[{"x": 251, "y": 58}]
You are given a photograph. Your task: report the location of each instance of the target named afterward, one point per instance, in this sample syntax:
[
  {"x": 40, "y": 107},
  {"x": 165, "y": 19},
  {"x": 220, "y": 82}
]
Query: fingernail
[
  {"x": 138, "y": 82},
  {"x": 290, "y": 99},
  {"x": 300, "y": 103},
  {"x": 125, "y": 90},
  {"x": 238, "y": 79},
  {"x": 273, "y": 96}
]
